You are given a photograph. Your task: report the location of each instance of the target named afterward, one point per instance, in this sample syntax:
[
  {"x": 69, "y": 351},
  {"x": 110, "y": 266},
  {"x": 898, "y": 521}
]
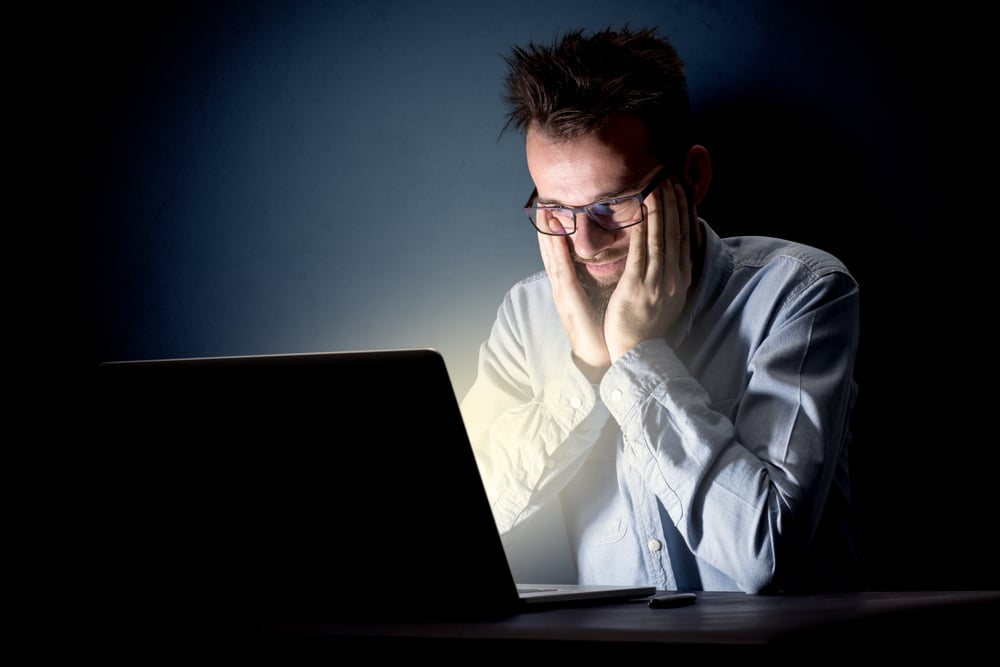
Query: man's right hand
[{"x": 586, "y": 336}]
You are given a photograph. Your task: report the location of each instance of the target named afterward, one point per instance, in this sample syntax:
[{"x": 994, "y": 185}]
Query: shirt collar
[{"x": 715, "y": 272}]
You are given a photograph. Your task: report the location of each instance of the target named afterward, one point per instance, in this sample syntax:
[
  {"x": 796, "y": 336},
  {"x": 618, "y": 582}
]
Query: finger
[
  {"x": 684, "y": 262},
  {"x": 637, "y": 260},
  {"x": 559, "y": 267},
  {"x": 549, "y": 247},
  {"x": 661, "y": 220}
]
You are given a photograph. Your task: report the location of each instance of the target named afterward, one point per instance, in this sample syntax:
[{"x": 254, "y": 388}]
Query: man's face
[{"x": 614, "y": 162}]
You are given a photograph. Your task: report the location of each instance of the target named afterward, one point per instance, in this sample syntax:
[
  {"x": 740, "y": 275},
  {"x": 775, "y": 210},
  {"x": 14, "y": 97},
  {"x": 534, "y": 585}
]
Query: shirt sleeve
[
  {"x": 530, "y": 432},
  {"x": 746, "y": 488}
]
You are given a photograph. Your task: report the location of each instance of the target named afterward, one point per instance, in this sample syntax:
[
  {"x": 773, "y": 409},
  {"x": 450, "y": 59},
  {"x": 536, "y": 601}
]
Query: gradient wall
[{"x": 301, "y": 176}]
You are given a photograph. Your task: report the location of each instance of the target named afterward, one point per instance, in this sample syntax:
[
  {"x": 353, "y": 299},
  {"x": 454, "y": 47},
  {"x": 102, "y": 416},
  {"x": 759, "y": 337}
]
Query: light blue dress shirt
[{"x": 714, "y": 458}]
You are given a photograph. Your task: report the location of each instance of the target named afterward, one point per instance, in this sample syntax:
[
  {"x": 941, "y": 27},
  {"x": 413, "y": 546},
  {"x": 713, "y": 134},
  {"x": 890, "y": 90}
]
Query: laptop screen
[{"x": 294, "y": 486}]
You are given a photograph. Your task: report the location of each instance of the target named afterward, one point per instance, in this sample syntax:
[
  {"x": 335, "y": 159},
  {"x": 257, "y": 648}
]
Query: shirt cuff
[
  {"x": 571, "y": 400},
  {"x": 634, "y": 376}
]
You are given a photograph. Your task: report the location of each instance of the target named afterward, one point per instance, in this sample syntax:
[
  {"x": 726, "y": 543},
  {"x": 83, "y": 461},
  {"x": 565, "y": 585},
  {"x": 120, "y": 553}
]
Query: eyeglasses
[{"x": 609, "y": 214}]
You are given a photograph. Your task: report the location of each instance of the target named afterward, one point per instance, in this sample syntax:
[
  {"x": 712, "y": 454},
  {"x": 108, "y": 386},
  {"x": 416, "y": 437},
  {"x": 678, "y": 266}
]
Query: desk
[{"x": 717, "y": 624}]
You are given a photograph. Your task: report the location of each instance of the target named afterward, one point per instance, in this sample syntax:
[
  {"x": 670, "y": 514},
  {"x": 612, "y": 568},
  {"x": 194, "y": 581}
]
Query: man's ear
[{"x": 697, "y": 173}]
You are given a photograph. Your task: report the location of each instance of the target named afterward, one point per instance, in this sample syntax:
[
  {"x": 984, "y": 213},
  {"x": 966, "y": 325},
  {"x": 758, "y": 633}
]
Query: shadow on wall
[{"x": 781, "y": 171}]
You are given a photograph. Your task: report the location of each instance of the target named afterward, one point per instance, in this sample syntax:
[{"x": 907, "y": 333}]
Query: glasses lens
[
  {"x": 616, "y": 213},
  {"x": 558, "y": 221}
]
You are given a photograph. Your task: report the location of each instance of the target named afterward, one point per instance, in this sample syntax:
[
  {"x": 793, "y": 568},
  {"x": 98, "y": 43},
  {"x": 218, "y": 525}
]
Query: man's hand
[
  {"x": 585, "y": 334},
  {"x": 649, "y": 296},
  {"x": 652, "y": 291}
]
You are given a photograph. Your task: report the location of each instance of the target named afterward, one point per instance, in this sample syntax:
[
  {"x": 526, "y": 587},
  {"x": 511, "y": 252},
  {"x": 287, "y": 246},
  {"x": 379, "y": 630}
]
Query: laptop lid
[{"x": 300, "y": 486}]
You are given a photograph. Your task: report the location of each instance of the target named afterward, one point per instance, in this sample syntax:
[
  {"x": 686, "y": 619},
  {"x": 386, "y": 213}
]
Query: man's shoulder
[
  {"x": 532, "y": 280},
  {"x": 755, "y": 252},
  {"x": 529, "y": 286},
  {"x": 528, "y": 306},
  {"x": 530, "y": 294}
]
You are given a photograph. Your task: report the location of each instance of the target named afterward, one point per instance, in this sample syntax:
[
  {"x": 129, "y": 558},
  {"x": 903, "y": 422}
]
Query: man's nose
[{"x": 590, "y": 239}]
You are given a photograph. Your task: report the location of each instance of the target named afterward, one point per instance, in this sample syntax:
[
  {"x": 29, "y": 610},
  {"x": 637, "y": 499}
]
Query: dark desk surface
[{"x": 716, "y": 623}]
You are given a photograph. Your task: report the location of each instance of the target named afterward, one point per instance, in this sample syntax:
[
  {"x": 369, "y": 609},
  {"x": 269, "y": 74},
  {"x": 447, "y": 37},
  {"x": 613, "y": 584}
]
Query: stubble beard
[{"x": 598, "y": 292}]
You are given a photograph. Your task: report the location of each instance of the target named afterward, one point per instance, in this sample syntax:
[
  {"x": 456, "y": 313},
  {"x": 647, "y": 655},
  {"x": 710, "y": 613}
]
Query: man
[{"x": 682, "y": 401}]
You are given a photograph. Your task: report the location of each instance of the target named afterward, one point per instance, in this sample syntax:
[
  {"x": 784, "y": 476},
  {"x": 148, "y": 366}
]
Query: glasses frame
[{"x": 530, "y": 207}]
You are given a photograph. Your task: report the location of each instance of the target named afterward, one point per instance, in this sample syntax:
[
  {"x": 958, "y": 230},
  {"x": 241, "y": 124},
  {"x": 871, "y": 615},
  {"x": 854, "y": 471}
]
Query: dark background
[{"x": 270, "y": 177}]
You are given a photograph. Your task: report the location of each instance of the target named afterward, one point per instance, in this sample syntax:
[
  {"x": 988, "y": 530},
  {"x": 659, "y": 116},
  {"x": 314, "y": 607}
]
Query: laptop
[{"x": 315, "y": 486}]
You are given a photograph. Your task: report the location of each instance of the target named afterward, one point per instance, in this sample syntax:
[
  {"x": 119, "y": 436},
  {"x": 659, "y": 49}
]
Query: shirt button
[
  {"x": 576, "y": 401},
  {"x": 654, "y": 545},
  {"x": 616, "y": 395}
]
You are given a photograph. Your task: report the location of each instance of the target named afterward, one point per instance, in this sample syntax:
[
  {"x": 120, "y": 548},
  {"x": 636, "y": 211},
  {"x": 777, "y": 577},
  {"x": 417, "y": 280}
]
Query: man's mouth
[
  {"x": 606, "y": 267},
  {"x": 601, "y": 266}
]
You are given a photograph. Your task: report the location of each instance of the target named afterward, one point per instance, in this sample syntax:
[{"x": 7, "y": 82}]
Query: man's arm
[
  {"x": 530, "y": 431},
  {"x": 746, "y": 488}
]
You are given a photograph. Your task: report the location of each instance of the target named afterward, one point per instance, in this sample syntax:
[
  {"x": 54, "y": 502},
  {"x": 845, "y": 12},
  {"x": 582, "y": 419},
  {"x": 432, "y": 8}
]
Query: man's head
[
  {"x": 603, "y": 115},
  {"x": 577, "y": 85}
]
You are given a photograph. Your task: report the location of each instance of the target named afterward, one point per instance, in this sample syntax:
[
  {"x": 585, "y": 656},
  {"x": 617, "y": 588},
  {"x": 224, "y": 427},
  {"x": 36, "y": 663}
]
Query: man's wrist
[{"x": 593, "y": 372}]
